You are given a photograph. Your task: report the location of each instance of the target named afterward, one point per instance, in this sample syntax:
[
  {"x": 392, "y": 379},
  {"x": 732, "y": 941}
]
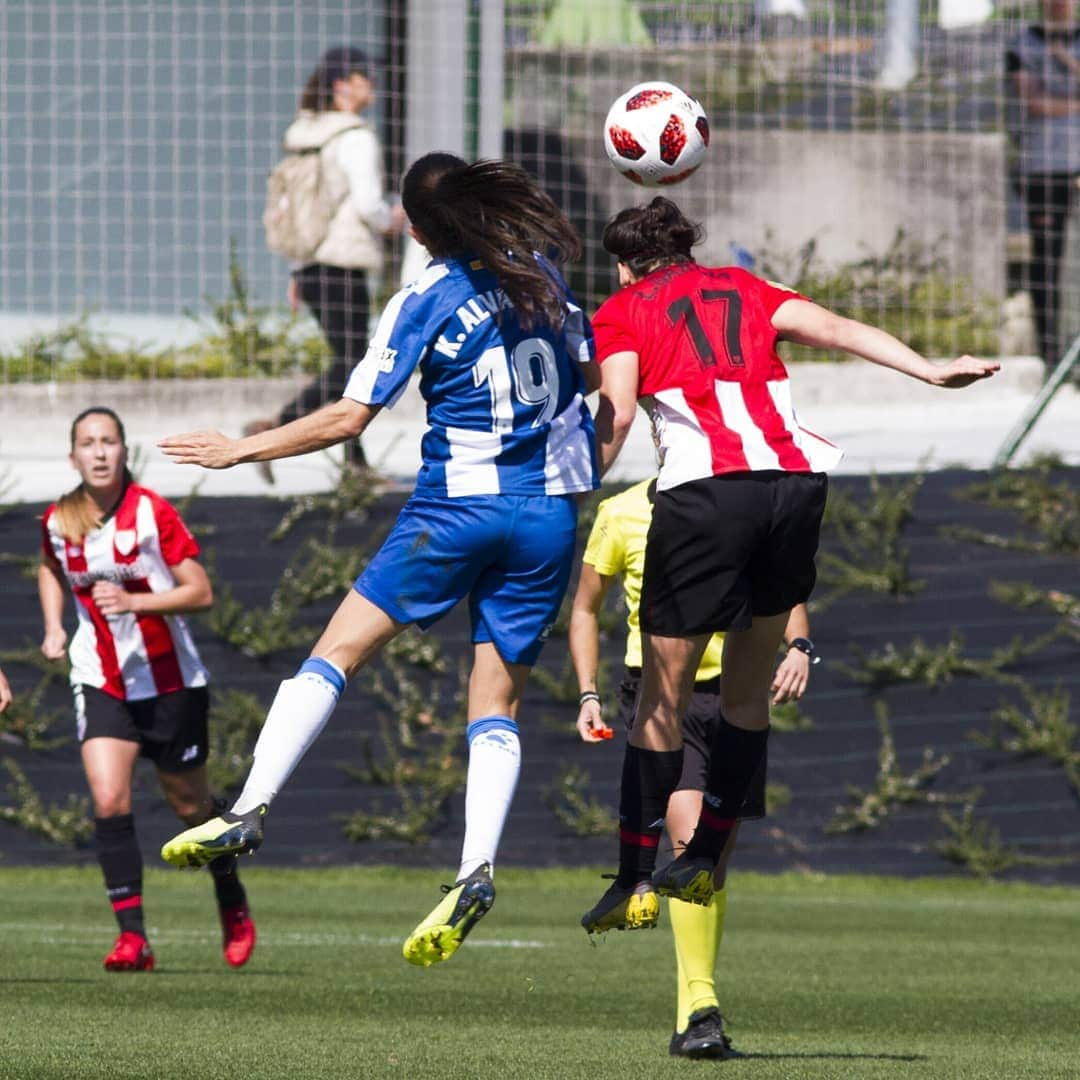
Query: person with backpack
[{"x": 327, "y": 211}]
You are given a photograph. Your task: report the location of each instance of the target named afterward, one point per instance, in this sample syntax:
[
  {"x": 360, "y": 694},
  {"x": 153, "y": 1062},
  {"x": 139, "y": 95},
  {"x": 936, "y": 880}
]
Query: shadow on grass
[
  {"x": 837, "y": 1057},
  {"x": 276, "y": 973},
  {"x": 45, "y": 982}
]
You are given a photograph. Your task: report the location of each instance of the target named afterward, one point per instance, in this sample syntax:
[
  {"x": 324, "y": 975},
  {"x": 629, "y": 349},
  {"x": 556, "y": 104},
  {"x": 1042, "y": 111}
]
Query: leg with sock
[
  {"x": 494, "y": 766},
  {"x": 237, "y": 926},
  {"x": 299, "y": 712},
  {"x": 121, "y": 866},
  {"x": 734, "y": 758},
  {"x": 648, "y": 779},
  {"x": 697, "y": 930},
  {"x": 301, "y": 709}
]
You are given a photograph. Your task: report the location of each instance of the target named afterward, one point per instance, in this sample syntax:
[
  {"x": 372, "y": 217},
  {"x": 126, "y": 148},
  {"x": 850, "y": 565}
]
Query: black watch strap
[{"x": 804, "y": 645}]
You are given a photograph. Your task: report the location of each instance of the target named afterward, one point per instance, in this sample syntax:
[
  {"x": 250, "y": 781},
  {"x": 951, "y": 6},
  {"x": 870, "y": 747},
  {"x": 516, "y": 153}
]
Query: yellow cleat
[
  {"x": 229, "y": 834},
  {"x": 624, "y": 909},
  {"x": 439, "y": 936}
]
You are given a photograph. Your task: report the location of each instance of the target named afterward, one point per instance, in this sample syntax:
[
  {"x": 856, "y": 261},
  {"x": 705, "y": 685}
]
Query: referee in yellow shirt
[{"x": 616, "y": 548}]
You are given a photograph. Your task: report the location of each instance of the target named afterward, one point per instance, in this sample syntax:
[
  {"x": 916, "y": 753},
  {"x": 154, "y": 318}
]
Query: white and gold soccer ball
[{"x": 656, "y": 134}]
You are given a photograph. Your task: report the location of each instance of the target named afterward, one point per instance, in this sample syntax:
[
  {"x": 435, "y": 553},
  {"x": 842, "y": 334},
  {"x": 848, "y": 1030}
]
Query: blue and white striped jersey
[{"x": 505, "y": 405}]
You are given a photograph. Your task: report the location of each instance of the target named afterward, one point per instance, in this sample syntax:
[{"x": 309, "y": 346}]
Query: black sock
[
  {"x": 648, "y": 779},
  {"x": 121, "y": 866},
  {"x": 735, "y": 755},
  {"x": 227, "y": 888}
]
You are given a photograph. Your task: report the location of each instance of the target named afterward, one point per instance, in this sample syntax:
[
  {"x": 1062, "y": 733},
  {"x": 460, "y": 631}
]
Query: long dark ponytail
[{"x": 497, "y": 211}]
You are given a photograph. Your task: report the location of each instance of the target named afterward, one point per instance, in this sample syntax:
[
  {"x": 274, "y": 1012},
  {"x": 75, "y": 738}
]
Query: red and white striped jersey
[
  {"x": 131, "y": 657},
  {"x": 709, "y": 374}
]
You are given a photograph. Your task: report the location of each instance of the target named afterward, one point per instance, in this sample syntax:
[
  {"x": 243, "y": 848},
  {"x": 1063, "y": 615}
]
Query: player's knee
[{"x": 111, "y": 802}]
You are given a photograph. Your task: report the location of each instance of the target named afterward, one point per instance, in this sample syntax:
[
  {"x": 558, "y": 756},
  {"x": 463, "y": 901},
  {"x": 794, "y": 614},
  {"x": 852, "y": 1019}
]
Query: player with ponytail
[
  {"x": 505, "y": 358},
  {"x": 139, "y": 686}
]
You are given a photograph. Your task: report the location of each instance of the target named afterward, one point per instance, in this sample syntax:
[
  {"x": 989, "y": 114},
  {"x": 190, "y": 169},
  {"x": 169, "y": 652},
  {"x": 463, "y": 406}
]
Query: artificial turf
[{"x": 843, "y": 977}]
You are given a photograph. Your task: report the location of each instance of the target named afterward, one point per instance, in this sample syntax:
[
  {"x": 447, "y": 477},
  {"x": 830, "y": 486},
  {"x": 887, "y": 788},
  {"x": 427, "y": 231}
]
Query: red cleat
[
  {"x": 238, "y": 934},
  {"x": 130, "y": 952}
]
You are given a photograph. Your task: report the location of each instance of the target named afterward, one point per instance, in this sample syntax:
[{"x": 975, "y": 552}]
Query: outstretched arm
[
  {"x": 328, "y": 426},
  {"x": 808, "y": 324},
  {"x": 5, "y": 693}
]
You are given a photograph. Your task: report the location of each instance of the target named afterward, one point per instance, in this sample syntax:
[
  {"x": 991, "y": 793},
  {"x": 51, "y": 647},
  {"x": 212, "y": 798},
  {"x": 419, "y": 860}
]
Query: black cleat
[
  {"x": 686, "y": 878},
  {"x": 703, "y": 1038},
  {"x": 227, "y": 834}
]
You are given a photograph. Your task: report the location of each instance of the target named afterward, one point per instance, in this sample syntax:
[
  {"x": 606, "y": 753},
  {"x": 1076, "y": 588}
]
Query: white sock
[
  {"x": 494, "y": 765},
  {"x": 300, "y": 711}
]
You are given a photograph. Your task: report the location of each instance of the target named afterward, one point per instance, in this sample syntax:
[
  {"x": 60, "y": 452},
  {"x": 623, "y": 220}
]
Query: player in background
[
  {"x": 739, "y": 501},
  {"x": 505, "y": 360},
  {"x": 616, "y": 550},
  {"x": 140, "y": 688}
]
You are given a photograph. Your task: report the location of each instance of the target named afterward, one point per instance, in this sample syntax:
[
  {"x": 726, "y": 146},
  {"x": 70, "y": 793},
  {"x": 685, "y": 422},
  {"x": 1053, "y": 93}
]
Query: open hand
[
  {"x": 963, "y": 371},
  {"x": 210, "y": 449}
]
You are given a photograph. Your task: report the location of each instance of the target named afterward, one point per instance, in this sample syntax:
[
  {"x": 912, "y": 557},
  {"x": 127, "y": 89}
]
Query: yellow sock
[{"x": 697, "y": 931}]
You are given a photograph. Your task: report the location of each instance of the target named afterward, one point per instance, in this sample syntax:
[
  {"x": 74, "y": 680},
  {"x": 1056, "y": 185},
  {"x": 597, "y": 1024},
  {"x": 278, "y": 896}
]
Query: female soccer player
[
  {"x": 616, "y": 549},
  {"x": 504, "y": 357},
  {"x": 735, "y": 528},
  {"x": 139, "y": 685}
]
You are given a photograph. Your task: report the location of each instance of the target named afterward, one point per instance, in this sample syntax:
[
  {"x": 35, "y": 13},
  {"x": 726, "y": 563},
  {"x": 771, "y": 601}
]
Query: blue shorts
[{"x": 510, "y": 554}]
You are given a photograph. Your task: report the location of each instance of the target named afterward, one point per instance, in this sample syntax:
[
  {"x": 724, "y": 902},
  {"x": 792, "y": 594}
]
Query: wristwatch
[{"x": 805, "y": 645}]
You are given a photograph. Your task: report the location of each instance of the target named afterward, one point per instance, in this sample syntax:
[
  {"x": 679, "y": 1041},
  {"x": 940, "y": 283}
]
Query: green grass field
[{"x": 840, "y": 977}]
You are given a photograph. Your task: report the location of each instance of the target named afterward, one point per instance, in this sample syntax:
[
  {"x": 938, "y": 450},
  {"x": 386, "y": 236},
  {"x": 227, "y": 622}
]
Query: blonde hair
[{"x": 76, "y": 513}]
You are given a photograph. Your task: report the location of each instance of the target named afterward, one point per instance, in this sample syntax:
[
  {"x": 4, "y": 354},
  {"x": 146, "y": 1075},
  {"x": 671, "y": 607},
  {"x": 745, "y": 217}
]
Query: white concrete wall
[{"x": 883, "y": 421}]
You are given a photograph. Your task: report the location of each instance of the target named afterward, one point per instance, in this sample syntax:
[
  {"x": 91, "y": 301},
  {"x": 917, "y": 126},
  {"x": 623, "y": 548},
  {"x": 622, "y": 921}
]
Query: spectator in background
[
  {"x": 1043, "y": 63},
  {"x": 334, "y": 286},
  {"x": 5, "y": 692}
]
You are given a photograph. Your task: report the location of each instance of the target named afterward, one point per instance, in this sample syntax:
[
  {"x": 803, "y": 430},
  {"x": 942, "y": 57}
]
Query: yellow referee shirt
[{"x": 616, "y": 548}]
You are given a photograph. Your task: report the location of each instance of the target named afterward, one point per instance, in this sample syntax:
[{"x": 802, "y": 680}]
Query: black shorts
[
  {"x": 697, "y": 732},
  {"x": 727, "y": 548},
  {"x": 171, "y": 729}
]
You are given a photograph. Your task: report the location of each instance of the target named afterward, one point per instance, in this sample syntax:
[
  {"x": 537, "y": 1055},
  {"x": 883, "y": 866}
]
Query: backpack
[{"x": 297, "y": 214}]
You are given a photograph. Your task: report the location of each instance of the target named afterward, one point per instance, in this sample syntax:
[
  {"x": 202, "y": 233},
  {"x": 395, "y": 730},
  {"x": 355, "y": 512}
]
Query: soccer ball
[{"x": 656, "y": 134}]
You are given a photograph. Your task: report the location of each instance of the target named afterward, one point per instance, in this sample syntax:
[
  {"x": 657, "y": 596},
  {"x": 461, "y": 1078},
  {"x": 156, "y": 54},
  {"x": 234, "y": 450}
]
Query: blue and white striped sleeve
[
  {"x": 399, "y": 343},
  {"x": 579, "y": 335}
]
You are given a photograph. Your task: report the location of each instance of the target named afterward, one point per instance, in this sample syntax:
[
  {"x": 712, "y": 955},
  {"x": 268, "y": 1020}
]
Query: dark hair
[
  {"x": 648, "y": 237},
  {"x": 336, "y": 63},
  {"x": 497, "y": 211}
]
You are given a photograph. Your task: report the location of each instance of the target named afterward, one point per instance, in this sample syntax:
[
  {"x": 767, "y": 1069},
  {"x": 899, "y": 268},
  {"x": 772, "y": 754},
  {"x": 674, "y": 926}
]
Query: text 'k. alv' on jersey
[{"x": 505, "y": 404}]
